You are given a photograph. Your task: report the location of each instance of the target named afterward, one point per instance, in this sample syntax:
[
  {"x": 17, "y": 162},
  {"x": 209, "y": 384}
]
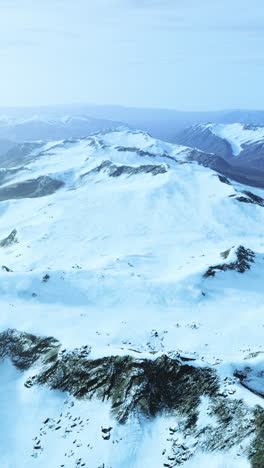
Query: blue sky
[{"x": 182, "y": 54}]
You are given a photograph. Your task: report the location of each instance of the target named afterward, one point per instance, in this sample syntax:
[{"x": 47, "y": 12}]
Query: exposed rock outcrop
[
  {"x": 144, "y": 388},
  {"x": 249, "y": 197},
  {"x": 11, "y": 239},
  {"x": 31, "y": 188},
  {"x": 201, "y": 137},
  {"x": 244, "y": 259},
  {"x": 115, "y": 171}
]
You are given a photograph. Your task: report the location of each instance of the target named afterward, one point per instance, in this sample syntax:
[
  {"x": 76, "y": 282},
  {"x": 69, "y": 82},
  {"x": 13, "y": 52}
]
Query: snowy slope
[
  {"x": 115, "y": 257},
  {"x": 225, "y": 139},
  {"x": 238, "y": 135},
  {"x": 242, "y": 146}
]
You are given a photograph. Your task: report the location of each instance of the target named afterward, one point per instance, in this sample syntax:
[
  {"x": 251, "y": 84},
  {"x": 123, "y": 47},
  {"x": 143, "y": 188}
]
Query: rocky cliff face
[
  {"x": 241, "y": 146},
  {"x": 144, "y": 389},
  {"x": 202, "y": 138},
  {"x": 252, "y": 155}
]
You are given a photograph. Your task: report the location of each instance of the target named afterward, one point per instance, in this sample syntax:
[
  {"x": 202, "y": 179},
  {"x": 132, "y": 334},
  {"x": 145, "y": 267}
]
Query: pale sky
[{"x": 181, "y": 54}]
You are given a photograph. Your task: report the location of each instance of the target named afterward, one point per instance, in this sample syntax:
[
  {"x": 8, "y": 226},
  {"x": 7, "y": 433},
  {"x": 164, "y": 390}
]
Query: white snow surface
[{"x": 126, "y": 257}]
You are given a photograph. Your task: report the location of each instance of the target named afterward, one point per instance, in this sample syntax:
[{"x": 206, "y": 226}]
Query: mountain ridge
[{"x": 109, "y": 316}]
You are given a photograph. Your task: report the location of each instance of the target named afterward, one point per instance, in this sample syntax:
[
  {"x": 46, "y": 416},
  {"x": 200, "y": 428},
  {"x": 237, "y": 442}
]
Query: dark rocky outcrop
[
  {"x": 25, "y": 349},
  {"x": 143, "y": 153},
  {"x": 31, "y": 188},
  {"x": 257, "y": 450},
  {"x": 224, "y": 179},
  {"x": 212, "y": 161},
  {"x": 7, "y": 269},
  {"x": 9, "y": 240},
  {"x": 132, "y": 385},
  {"x": 115, "y": 171},
  {"x": 144, "y": 388},
  {"x": 244, "y": 259},
  {"x": 249, "y": 198}
]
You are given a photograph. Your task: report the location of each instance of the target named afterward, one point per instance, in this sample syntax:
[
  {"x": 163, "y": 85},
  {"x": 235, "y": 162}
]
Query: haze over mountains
[
  {"x": 240, "y": 144},
  {"x": 161, "y": 123},
  {"x": 186, "y": 128}
]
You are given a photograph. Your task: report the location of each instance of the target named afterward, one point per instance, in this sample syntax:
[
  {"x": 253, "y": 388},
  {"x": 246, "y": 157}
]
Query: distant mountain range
[
  {"x": 233, "y": 144},
  {"x": 48, "y": 122},
  {"x": 241, "y": 145},
  {"x": 46, "y": 127}
]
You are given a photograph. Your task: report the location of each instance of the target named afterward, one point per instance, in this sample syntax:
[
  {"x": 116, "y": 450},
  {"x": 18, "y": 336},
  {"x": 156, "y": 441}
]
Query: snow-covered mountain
[
  {"x": 131, "y": 326},
  {"x": 239, "y": 144},
  {"x": 239, "y": 136},
  {"x": 161, "y": 123},
  {"x": 44, "y": 127}
]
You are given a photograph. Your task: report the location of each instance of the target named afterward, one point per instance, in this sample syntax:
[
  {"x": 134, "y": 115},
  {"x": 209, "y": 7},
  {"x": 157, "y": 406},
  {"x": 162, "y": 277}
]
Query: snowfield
[{"x": 116, "y": 259}]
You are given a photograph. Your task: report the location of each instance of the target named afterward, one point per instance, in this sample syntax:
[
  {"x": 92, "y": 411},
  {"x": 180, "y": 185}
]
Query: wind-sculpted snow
[{"x": 146, "y": 364}]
